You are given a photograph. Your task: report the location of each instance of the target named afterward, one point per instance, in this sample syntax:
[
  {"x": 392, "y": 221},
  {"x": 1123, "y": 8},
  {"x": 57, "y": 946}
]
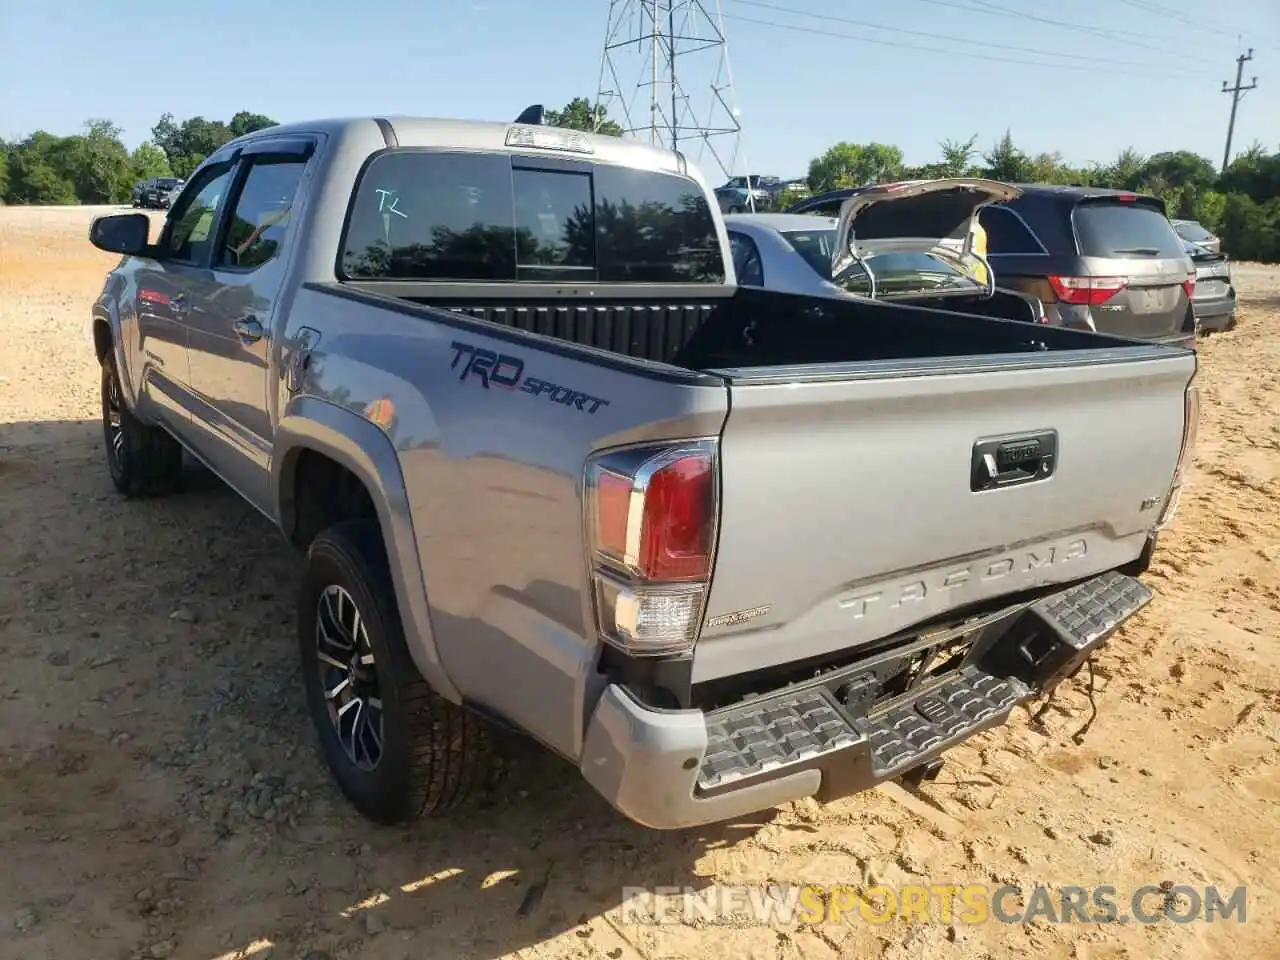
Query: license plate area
[{"x": 1155, "y": 299}]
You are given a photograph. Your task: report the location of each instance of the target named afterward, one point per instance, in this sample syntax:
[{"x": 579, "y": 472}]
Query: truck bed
[
  {"x": 882, "y": 466},
  {"x": 740, "y": 329}
]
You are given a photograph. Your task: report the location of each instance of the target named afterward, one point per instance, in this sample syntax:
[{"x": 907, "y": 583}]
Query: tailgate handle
[{"x": 1008, "y": 461}]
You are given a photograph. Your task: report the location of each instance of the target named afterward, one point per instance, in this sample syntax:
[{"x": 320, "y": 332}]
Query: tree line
[
  {"x": 1242, "y": 204},
  {"x": 95, "y": 166}
]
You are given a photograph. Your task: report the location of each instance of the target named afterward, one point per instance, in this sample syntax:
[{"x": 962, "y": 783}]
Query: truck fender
[
  {"x": 109, "y": 337},
  {"x": 363, "y": 448}
]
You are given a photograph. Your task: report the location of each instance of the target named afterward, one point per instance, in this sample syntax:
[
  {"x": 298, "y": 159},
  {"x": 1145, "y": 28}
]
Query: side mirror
[{"x": 127, "y": 233}]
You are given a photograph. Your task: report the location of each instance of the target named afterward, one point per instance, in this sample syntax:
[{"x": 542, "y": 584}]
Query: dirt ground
[{"x": 161, "y": 793}]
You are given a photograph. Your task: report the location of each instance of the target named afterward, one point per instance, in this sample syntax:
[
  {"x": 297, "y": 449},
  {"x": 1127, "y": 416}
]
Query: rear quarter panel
[{"x": 493, "y": 475}]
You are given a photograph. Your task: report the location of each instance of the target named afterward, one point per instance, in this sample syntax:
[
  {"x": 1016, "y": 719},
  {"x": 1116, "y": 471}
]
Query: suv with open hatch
[{"x": 1102, "y": 260}]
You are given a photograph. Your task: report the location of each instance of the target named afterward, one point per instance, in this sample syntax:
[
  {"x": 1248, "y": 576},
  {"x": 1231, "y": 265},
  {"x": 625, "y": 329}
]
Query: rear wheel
[
  {"x": 397, "y": 749},
  {"x": 143, "y": 460}
]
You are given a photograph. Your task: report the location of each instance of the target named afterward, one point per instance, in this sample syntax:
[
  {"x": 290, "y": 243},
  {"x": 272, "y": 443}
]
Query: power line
[
  {"x": 1057, "y": 54},
  {"x": 1093, "y": 67},
  {"x": 1175, "y": 15},
  {"x": 1237, "y": 94},
  {"x": 1121, "y": 36}
]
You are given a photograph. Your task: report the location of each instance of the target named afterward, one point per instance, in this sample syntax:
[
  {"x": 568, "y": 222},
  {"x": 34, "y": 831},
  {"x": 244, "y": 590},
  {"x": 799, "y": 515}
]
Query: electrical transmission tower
[
  {"x": 665, "y": 75},
  {"x": 1237, "y": 94}
]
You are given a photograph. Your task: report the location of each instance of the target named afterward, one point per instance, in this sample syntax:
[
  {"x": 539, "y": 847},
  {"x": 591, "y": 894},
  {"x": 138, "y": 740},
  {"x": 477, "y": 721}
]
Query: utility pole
[{"x": 1237, "y": 93}]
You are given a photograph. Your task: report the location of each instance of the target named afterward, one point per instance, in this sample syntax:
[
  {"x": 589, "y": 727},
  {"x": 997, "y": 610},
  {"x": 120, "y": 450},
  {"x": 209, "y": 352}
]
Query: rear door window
[
  {"x": 1124, "y": 230},
  {"x": 260, "y": 217},
  {"x": 425, "y": 215},
  {"x": 1007, "y": 233}
]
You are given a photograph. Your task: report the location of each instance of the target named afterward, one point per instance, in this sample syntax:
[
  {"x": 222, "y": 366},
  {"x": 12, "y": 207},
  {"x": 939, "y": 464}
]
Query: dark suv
[{"x": 1104, "y": 260}]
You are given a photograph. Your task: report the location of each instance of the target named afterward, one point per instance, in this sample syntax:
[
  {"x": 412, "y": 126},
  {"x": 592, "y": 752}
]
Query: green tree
[
  {"x": 98, "y": 163},
  {"x": 1123, "y": 173},
  {"x": 1210, "y": 208},
  {"x": 34, "y": 174},
  {"x": 184, "y": 166},
  {"x": 246, "y": 122},
  {"x": 149, "y": 161},
  {"x": 1255, "y": 173},
  {"x": 956, "y": 156},
  {"x": 1179, "y": 168},
  {"x": 167, "y": 135},
  {"x": 4, "y": 172},
  {"x": 201, "y": 136},
  {"x": 853, "y": 164},
  {"x": 579, "y": 114},
  {"x": 1006, "y": 162},
  {"x": 194, "y": 137},
  {"x": 1251, "y": 230}
]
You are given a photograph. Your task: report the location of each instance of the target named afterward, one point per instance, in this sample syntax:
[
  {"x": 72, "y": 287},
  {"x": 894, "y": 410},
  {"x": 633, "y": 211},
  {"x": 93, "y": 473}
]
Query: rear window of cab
[{"x": 430, "y": 215}]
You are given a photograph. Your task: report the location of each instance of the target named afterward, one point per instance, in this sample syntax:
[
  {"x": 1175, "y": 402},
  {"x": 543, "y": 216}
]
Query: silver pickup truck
[{"x": 553, "y": 471}]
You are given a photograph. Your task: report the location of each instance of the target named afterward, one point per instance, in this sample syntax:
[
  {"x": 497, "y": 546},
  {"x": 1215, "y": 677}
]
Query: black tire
[
  {"x": 433, "y": 755},
  {"x": 143, "y": 460}
]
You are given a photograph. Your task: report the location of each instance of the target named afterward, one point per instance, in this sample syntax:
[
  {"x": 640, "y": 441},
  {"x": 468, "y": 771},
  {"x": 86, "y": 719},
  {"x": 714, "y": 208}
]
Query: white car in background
[{"x": 911, "y": 241}]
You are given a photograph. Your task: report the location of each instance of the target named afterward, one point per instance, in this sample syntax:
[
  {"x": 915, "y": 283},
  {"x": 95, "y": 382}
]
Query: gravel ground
[{"x": 161, "y": 793}]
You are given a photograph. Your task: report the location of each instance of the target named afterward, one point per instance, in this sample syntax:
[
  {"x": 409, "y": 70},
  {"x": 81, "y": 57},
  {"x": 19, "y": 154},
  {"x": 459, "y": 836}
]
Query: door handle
[
  {"x": 248, "y": 329},
  {"x": 1008, "y": 461}
]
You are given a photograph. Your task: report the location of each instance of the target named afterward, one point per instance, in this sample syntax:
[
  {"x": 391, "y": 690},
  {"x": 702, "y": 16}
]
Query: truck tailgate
[{"x": 853, "y": 506}]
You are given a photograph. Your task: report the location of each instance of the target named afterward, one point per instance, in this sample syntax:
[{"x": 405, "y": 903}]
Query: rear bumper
[
  {"x": 1083, "y": 318},
  {"x": 1215, "y": 313},
  {"x": 669, "y": 769},
  {"x": 1186, "y": 339}
]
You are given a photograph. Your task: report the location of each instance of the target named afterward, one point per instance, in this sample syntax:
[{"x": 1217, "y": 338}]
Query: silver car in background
[
  {"x": 1214, "y": 300},
  {"x": 1192, "y": 231}
]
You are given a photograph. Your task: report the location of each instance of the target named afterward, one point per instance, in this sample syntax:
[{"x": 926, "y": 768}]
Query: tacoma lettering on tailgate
[
  {"x": 503, "y": 370},
  {"x": 998, "y": 567}
]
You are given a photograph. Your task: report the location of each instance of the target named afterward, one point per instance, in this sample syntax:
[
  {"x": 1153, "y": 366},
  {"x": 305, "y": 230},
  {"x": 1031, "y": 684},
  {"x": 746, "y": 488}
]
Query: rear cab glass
[
  {"x": 1107, "y": 228},
  {"x": 436, "y": 215}
]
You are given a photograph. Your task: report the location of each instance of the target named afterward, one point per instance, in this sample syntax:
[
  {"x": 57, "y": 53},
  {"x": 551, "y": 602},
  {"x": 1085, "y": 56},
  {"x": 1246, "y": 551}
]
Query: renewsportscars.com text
[{"x": 941, "y": 902}]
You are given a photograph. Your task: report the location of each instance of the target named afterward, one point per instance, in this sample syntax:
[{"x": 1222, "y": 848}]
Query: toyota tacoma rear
[{"x": 551, "y": 469}]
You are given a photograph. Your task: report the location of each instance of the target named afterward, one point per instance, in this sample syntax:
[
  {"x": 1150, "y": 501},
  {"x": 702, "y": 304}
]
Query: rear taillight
[
  {"x": 1086, "y": 291},
  {"x": 1189, "y": 285},
  {"x": 1190, "y": 427},
  {"x": 651, "y": 527}
]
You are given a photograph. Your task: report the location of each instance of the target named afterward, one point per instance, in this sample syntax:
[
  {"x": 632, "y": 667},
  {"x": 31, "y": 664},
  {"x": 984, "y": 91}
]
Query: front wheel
[
  {"x": 397, "y": 749},
  {"x": 143, "y": 460}
]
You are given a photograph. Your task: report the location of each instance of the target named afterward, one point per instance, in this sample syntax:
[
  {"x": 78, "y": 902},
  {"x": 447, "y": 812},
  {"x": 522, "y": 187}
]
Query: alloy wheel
[
  {"x": 348, "y": 677},
  {"x": 112, "y": 422}
]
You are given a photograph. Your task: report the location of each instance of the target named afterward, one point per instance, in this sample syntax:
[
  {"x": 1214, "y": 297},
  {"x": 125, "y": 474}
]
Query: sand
[{"x": 161, "y": 793}]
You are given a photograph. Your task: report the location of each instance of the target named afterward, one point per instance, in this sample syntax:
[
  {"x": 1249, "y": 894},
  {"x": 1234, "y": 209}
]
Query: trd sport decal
[{"x": 507, "y": 372}]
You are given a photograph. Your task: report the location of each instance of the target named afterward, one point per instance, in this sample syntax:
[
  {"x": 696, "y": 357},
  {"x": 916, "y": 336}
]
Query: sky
[{"x": 1109, "y": 74}]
